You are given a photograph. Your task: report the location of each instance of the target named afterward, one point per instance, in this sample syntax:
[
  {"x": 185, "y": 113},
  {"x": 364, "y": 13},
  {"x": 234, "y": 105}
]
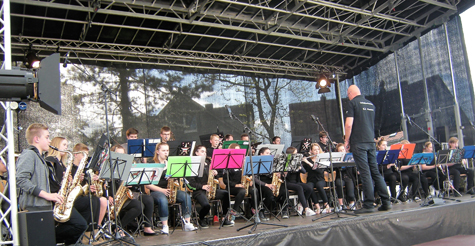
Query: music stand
[
  {"x": 256, "y": 165},
  {"x": 421, "y": 159},
  {"x": 305, "y": 145},
  {"x": 243, "y": 144},
  {"x": 149, "y": 146},
  {"x": 144, "y": 174},
  {"x": 186, "y": 148},
  {"x": 469, "y": 153},
  {"x": 275, "y": 149},
  {"x": 100, "y": 155},
  {"x": 184, "y": 167},
  {"x": 225, "y": 159},
  {"x": 444, "y": 158},
  {"x": 323, "y": 159},
  {"x": 407, "y": 150},
  {"x": 386, "y": 157},
  {"x": 136, "y": 147},
  {"x": 287, "y": 163}
]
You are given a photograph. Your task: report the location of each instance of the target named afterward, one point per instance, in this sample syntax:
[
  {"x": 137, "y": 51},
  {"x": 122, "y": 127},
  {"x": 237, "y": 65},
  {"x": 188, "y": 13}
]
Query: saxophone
[
  {"x": 276, "y": 182},
  {"x": 212, "y": 183},
  {"x": 173, "y": 187},
  {"x": 97, "y": 183},
  {"x": 246, "y": 181},
  {"x": 121, "y": 196},
  {"x": 70, "y": 190}
]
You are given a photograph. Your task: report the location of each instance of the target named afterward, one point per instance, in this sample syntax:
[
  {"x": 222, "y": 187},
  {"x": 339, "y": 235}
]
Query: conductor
[{"x": 359, "y": 129}]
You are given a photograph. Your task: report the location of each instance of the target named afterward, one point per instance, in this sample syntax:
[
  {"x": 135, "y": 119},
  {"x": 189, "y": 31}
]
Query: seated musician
[
  {"x": 228, "y": 137},
  {"x": 235, "y": 186},
  {"x": 82, "y": 204},
  {"x": 324, "y": 144},
  {"x": 200, "y": 188},
  {"x": 166, "y": 134},
  {"x": 315, "y": 178},
  {"x": 245, "y": 137},
  {"x": 32, "y": 175},
  {"x": 412, "y": 172},
  {"x": 392, "y": 175},
  {"x": 461, "y": 168},
  {"x": 160, "y": 193},
  {"x": 294, "y": 183},
  {"x": 133, "y": 133},
  {"x": 276, "y": 140},
  {"x": 348, "y": 174},
  {"x": 430, "y": 171},
  {"x": 133, "y": 208},
  {"x": 215, "y": 144},
  {"x": 265, "y": 186}
]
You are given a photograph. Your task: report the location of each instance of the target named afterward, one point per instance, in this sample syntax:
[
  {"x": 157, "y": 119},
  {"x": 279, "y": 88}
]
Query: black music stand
[
  {"x": 444, "y": 158},
  {"x": 225, "y": 159},
  {"x": 144, "y": 174},
  {"x": 184, "y": 167},
  {"x": 261, "y": 164},
  {"x": 287, "y": 163}
]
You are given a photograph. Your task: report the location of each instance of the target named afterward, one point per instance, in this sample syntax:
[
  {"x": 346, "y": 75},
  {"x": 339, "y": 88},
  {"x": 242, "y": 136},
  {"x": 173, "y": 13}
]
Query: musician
[
  {"x": 264, "y": 184},
  {"x": 200, "y": 187},
  {"x": 82, "y": 203},
  {"x": 294, "y": 183},
  {"x": 461, "y": 168},
  {"x": 160, "y": 193},
  {"x": 245, "y": 137},
  {"x": 32, "y": 175},
  {"x": 392, "y": 175},
  {"x": 324, "y": 144},
  {"x": 133, "y": 133},
  {"x": 429, "y": 170},
  {"x": 412, "y": 172},
  {"x": 133, "y": 208},
  {"x": 215, "y": 144},
  {"x": 276, "y": 140},
  {"x": 228, "y": 137},
  {"x": 166, "y": 134},
  {"x": 316, "y": 179},
  {"x": 235, "y": 186},
  {"x": 359, "y": 133},
  {"x": 348, "y": 174}
]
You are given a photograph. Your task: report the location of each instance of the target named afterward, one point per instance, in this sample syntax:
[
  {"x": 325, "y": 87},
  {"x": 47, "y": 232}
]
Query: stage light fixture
[
  {"x": 31, "y": 60},
  {"x": 323, "y": 84}
]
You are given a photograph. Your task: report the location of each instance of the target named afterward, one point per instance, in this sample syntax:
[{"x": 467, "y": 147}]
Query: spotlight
[
  {"x": 323, "y": 84},
  {"x": 31, "y": 60}
]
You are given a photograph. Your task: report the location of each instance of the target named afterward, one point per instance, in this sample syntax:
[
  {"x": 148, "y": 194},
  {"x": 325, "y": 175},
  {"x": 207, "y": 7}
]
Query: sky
[{"x": 468, "y": 18}]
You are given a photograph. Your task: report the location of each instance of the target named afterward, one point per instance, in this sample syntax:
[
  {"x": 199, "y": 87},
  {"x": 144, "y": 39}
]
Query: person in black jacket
[
  {"x": 235, "y": 186},
  {"x": 200, "y": 187}
]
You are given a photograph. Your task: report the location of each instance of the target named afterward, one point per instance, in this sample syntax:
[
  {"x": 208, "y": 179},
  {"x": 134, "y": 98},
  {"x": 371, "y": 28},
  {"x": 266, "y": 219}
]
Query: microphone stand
[
  {"x": 257, "y": 220},
  {"x": 333, "y": 188}
]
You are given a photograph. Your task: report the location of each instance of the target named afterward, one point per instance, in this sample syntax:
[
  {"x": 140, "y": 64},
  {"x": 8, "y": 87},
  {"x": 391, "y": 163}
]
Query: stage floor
[{"x": 411, "y": 214}]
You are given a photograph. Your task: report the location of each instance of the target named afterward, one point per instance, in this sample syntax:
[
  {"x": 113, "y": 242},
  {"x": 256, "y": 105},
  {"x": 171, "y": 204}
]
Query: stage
[{"x": 405, "y": 224}]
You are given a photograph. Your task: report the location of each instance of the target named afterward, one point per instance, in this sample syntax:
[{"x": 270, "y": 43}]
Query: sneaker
[
  {"x": 365, "y": 211},
  {"x": 164, "y": 229},
  {"x": 417, "y": 199},
  {"x": 285, "y": 214},
  {"x": 432, "y": 191},
  {"x": 204, "y": 223},
  {"x": 352, "y": 206},
  {"x": 190, "y": 227},
  {"x": 385, "y": 207},
  {"x": 300, "y": 208},
  {"x": 227, "y": 223},
  {"x": 263, "y": 217},
  {"x": 309, "y": 212}
]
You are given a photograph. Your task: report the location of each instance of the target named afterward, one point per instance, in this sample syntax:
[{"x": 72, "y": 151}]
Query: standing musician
[
  {"x": 303, "y": 190},
  {"x": 264, "y": 183},
  {"x": 82, "y": 204},
  {"x": 391, "y": 174},
  {"x": 200, "y": 187},
  {"x": 359, "y": 133},
  {"x": 460, "y": 168},
  {"x": 235, "y": 186},
  {"x": 316, "y": 179},
  {"x": 345, "y": 177},
  {"x": 32, "y": 175},
  {"x": 133, "y": 207},
  {"x": 429, "y": 170},
  {"x": 160, "y": 192}
]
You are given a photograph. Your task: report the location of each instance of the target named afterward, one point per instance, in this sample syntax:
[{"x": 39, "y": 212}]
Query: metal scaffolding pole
[
  {"x": 9, "y": 139},
  {"x": 458, "y": 119},
  {"x": 428, "y": 114},
  {"x": 403, "y": 113},
  {"x": 338, "y": 94}
]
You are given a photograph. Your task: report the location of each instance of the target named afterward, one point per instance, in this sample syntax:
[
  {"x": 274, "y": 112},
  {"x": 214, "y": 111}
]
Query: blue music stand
[
  {"x": 421, "y": 159},
  {"x": 262, "y": 164},
  {"x": 387, "y": 157},
  {"x": 135, "y": 147}
]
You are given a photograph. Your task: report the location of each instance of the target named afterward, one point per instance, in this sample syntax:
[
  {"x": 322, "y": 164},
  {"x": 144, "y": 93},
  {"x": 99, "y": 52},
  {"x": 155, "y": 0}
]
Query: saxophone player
[
  {"x": 200, "y": 187},
  {"x": 32, "y": 174},
  {"x": 132, "y": 209},
  {"x": 160, "y": 193}
]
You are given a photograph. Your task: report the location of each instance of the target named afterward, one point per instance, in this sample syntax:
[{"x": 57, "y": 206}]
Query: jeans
[
  {"x": 162, "y": 201},
  {"x": 365, "y": 160}
]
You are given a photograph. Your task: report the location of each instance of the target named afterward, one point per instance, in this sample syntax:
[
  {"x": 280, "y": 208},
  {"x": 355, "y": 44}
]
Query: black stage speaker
[{"x": 36, "y": 228}]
